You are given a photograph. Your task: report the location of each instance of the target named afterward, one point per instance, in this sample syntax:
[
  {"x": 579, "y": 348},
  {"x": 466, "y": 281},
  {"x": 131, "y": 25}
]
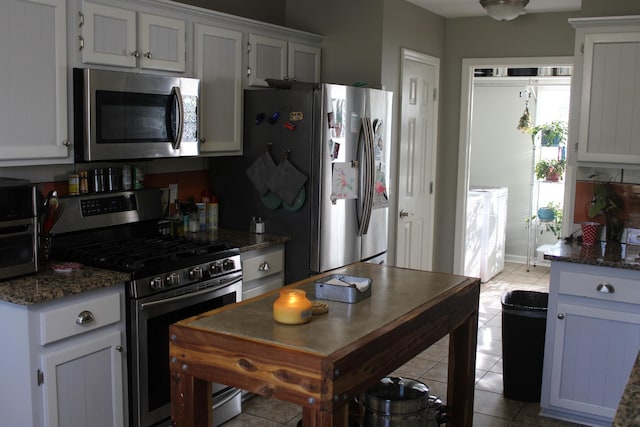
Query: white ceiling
[{"x": 465, "y": 8}]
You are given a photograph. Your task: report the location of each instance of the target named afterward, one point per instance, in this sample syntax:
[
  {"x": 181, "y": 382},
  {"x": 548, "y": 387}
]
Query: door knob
[{"x": 404, "y": 214}]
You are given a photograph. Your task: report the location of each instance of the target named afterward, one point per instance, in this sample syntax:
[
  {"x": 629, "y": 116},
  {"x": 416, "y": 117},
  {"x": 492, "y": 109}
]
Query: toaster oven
[{"x": 18, "y": 228}]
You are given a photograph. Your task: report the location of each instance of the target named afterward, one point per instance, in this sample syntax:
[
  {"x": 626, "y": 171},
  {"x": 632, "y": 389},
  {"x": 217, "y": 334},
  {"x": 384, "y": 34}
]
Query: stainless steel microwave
[{"x": 123, "y": 115}]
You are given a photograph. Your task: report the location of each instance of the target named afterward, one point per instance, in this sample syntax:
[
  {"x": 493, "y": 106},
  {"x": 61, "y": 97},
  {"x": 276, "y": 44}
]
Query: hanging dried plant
[{"x": 525, "y": 121}]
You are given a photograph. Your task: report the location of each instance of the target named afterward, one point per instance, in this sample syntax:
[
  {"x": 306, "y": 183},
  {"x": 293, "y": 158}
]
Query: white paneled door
[{"x": 417, "y": 164}]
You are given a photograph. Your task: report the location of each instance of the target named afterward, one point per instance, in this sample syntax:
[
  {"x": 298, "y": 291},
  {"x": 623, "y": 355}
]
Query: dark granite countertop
[
  {"x": 628, "y": 412},
  {"x": 47, "y": 285},
  {"x": 628, "y": 257}
]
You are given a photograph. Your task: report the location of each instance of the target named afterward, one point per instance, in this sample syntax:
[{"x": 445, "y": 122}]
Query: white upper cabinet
[
  {"x": 125, "y": 38},
  {"x": 33, "y": 116},
  {"x": 607, "y": 91},
  {"x": 272, "y": 58},
  {"x": 303, "y": 62},
  {"x": 218, "y": 64}
]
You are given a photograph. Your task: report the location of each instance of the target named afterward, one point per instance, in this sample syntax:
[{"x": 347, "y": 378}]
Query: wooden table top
[{"x": 395, "y": 292}]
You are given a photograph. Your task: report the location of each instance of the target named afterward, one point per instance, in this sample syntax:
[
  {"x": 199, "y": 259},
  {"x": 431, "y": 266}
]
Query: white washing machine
[{"x": 490, "y": 241}]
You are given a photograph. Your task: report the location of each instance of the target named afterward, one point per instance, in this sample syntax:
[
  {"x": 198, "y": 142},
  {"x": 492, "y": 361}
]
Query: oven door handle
[{"x": 150, "y": 304}]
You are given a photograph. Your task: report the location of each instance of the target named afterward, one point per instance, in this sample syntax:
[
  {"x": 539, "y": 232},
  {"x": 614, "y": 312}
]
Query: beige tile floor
[{"x": 491, "y": 408}]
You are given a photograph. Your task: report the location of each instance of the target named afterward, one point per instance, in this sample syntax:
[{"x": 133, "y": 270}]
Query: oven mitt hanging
[
  {"x": 260, "y": 171},
  {"x": 286, "y": 182}
]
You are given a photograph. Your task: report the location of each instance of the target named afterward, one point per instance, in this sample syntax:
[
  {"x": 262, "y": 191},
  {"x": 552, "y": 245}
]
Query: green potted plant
[
  {"x": 550, "y": 169},
  {"x": 552, "y": 134},
  {"x": 551, "y": 217},
  {"x": 608, "y": 204}
]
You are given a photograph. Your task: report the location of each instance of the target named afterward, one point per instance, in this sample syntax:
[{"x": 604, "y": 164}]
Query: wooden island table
[{"x": 322, "y": 365}]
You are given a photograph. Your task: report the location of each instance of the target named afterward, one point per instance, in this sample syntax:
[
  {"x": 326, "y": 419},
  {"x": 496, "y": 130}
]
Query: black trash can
[{"x": 524, "y": 320}]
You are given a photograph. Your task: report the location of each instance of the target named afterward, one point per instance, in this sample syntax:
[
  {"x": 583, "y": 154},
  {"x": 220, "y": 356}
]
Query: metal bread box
[{"x": 342, "y": 288}]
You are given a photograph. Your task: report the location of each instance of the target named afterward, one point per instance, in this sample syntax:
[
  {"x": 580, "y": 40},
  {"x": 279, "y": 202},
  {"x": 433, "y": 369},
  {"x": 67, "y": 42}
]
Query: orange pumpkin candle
[{"x": 292, "y": 307}]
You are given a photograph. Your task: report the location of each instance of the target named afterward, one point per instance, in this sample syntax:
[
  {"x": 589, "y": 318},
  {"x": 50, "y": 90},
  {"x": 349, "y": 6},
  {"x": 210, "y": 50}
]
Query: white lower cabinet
[
  {"x": 593, "y": 338},
  {"x": 82, "y": 383},
  {"x": 65, "y": 364},
  {"x": 262, "y": 271}
]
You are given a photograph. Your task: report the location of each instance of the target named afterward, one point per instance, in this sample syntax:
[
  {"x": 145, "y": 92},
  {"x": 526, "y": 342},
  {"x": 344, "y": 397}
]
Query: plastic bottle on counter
[
  {"x": 252, "y": 225},
  {"x": 260, "y": 226},
  {"x": 212, "y": 213}
]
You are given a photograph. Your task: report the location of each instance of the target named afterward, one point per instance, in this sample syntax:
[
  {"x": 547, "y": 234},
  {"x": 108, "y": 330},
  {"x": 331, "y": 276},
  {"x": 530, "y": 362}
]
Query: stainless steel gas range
[{"x": 170, "y": 279}]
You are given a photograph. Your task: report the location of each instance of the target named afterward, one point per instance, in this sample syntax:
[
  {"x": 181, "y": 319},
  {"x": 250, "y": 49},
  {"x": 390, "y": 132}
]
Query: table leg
[
  {"x": 190, "y": 401},
  {"x": 313, "y": 418},
  {"x": 462, "y": 365}
]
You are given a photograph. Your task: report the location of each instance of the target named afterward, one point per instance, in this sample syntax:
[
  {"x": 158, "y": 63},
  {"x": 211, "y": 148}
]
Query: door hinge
[
  {"x": 40, "y": 377},
  {"x": 80, "y": 19},
  {"x": 80, "y": 43},
  {"x": 248, "y": 71},
  {"x": 435, "y": 94},
  {"x": 575, "y": 147},
  {"x": 248, "y": 47},
  {"x": 431, "y": 188},
  {"x": 581, "y": 48}
]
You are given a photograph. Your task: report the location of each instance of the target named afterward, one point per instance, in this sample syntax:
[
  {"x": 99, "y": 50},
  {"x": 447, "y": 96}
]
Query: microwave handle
[{"x": 178, "y": 136}]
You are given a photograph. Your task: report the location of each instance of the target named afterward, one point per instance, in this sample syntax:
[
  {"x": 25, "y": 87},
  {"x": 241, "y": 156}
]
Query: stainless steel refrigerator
[{"x": 315, "y": 166}]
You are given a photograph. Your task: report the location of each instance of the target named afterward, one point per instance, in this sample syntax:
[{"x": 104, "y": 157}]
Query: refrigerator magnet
[
  {"x": 296, "y": 116},
  {"x": 259, "y": 118},
  {"x": 274, "y": 117},
  {"x": 290, "y": 126}
]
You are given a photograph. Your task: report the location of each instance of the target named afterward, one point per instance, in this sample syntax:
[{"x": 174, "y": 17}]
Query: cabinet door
[
  {"x": 303, "y": 63},
  {"x": 33, "y": 114},
  {"x": 83, "y": 383},
  {"x": 109, "y": 35},
  {"x": 610, "y": 106},
  {"x": 218, "y": 64},
  {"x": 267, "y": 59},
  {"x": 594, "y": 350},
  {"x": 162, "y": 43}
]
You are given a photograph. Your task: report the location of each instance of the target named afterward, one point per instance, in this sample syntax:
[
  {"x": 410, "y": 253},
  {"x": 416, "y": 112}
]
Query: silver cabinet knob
[
  {"x": 605, "y": 288},
  {"x": 264, "y": 266},
  {"x": 119, "y": 349},
  {"x": 66, "y": 142},
  {"x": 85, "y": 317},
  {"x": 560, "y": 316},
  {"x": 135, "y": 54},
  {"x": 147, "y": 55}
]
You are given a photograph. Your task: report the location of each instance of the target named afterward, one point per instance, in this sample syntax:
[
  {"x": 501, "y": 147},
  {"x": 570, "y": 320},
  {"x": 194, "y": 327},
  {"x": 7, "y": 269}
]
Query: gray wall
[
  {"x": 353, "y": 47},
  {"x": 272, "y": 11}
]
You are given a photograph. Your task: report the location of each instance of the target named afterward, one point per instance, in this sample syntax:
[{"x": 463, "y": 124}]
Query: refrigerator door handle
[{"x": 368, "y": 166}]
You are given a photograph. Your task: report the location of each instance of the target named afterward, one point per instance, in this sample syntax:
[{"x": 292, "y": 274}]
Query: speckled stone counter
[
  {"x": 242, "y": 239},
  {"x": 48, "y": 285},
  {"x": 593, "y": 255},
  {"x": 628, "y": 413}
]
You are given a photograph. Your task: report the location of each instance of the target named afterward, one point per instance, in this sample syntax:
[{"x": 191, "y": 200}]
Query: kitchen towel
[
  {"x": 286, "y": 182},
  {"x": 260, "y": 171}
]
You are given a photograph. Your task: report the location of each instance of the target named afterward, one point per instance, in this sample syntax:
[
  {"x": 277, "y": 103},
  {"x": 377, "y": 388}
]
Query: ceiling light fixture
[{"x": 504, "y": 10}]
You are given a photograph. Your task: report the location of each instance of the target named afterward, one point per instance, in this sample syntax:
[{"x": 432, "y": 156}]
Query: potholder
[
  {"x": 286, "y": 181},
  {"x": 260, "y": 171}
]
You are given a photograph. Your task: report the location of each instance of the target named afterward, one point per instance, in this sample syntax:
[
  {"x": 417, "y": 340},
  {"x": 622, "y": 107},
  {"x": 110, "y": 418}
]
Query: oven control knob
[
  {"x": 228, "y": 264},
  {"x": 172, "y": 279},
  {"x": 215, "y": 268},
  {"x": 195, "y": 273},
  {"x": 156, "y": 283}
]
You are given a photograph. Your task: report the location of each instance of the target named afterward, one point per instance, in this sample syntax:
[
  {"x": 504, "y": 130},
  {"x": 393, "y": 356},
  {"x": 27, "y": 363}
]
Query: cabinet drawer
[
  {"x": 77, "y": 318},
  {"x": 262, "y": 265},
  {"x": 600, "y": 287}
]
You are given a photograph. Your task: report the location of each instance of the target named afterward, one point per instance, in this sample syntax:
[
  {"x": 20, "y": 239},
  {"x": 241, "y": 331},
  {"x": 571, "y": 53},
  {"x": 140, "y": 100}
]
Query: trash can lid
[{"x": 525, "y": 300}]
